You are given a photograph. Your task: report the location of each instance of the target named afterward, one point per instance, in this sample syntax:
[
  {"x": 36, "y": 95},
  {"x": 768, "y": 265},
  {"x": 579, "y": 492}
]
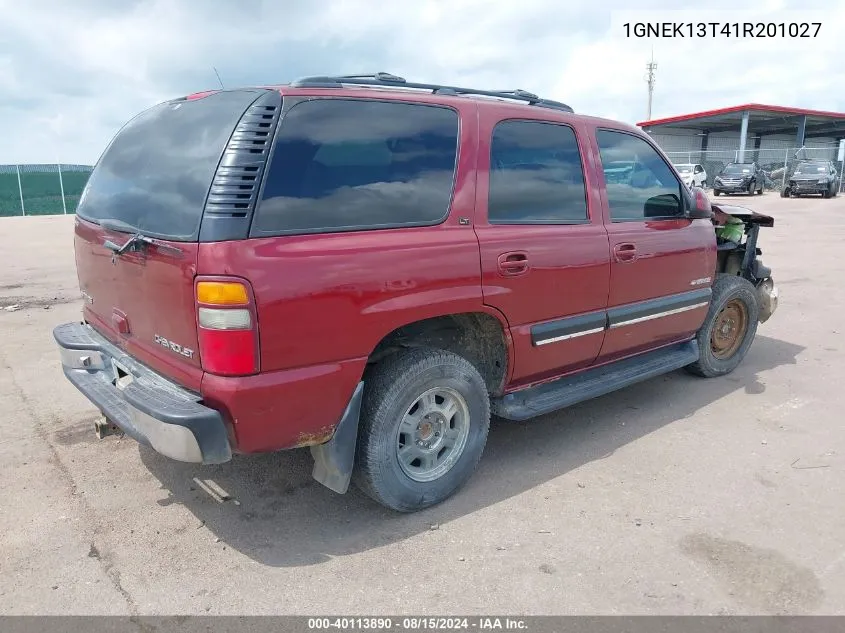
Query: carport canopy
[{"x": 758, "y": 120}]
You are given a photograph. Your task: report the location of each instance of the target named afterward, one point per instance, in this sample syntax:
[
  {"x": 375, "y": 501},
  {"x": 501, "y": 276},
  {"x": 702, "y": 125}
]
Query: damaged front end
[{"x": 737, "y": 230}]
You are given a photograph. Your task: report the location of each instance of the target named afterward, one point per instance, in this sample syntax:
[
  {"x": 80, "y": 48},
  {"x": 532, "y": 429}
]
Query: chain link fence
[
  {"x": 777, "y": 164},
  {"x": 41, "y": 189}
]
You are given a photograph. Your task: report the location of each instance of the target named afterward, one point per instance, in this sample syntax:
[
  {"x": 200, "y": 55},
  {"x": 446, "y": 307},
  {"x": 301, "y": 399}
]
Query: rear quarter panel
[{"x": 324, "y": 301}]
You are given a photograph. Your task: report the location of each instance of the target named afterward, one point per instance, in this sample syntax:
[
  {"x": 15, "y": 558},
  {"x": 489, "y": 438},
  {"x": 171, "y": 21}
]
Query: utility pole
[{"x": 650, "y": 68}]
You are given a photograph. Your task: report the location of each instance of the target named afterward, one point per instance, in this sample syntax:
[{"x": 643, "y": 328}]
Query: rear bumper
[{"x": 145, "y": 405}]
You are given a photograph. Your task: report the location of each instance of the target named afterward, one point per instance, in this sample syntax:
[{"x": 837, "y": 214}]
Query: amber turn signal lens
[{"x": 222, "y": 293}]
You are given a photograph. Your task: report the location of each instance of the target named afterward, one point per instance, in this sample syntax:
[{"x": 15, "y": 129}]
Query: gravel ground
[{"x": 678, "y": 495}]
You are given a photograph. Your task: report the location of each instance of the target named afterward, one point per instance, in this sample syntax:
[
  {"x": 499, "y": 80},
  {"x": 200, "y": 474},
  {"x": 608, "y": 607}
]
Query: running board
[{"x": 563, "y": 392}]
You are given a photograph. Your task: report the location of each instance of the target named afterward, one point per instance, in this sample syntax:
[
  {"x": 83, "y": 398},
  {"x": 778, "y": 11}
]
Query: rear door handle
[
  {"x": 512, "y": 264},
  {"x": 625, "y": 252}
]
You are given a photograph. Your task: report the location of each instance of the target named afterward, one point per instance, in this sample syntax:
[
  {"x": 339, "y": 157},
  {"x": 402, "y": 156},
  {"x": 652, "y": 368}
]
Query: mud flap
[{"x": 333, "y": 460}]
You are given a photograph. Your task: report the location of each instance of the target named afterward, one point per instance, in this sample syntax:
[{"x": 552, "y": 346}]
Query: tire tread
[
  {"x": 724, "y": 288},
  {"x": 384, "y": 384}
]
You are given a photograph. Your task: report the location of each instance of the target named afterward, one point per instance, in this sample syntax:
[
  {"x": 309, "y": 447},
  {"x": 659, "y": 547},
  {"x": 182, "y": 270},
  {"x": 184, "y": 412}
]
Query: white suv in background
[{"x": 692, "y": 175}]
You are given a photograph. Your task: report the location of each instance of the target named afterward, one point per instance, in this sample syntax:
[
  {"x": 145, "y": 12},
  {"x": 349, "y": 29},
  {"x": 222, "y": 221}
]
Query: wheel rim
[
  {"x": 432, "y": 434},
  {"x": 729, "y": 329}
]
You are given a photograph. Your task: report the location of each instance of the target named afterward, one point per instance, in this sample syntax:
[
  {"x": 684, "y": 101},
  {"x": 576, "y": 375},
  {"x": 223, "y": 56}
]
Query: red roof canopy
[{"x": 753, "y": 107}]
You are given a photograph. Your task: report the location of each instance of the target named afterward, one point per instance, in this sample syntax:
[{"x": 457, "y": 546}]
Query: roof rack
[{"x": 386, "y": 79}]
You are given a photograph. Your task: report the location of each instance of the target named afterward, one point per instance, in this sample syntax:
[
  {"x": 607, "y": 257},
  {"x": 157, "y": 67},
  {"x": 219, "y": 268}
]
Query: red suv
[{"x": 371, "y": 267}]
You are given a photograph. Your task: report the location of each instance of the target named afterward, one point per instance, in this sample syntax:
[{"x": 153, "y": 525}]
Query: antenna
[
  {"x": 218, "y": 78},
  {"x": 650, "y": 68}
]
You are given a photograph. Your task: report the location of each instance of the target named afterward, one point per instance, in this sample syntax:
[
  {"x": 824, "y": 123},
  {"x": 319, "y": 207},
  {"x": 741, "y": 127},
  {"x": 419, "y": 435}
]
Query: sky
[{"x": 71, "y": 73}]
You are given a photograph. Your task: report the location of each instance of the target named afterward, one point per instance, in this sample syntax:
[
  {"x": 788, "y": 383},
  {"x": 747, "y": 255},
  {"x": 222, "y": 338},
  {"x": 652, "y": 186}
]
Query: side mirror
[
  {"x": 666, "y": 205},
  {"x": 701, "y": 208}
]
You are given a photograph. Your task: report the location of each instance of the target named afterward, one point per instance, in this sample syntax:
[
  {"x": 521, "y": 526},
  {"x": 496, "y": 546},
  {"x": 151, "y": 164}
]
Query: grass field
[{"x": 42, "y": 192}]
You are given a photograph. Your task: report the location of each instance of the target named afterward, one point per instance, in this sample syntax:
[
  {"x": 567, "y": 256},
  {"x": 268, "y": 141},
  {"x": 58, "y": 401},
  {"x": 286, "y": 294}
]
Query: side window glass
[
  {"x": 536, "y": 175},
  {"x": 640, "y": 185},
  {"x": 346, "y": 164}
]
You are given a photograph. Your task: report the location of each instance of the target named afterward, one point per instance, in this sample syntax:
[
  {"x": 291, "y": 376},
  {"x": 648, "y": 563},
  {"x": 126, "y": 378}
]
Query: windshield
[
  {"x": 684, "y": 169},
  {"x": 156, "y": 173},
  {"x": 736, "y": 170},
  {"x": 811, "y": 169}
]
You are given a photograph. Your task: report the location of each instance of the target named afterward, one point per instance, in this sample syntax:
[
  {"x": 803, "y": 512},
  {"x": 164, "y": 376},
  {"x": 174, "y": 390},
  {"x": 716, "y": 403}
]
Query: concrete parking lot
[{"x": 679, "y": 495}]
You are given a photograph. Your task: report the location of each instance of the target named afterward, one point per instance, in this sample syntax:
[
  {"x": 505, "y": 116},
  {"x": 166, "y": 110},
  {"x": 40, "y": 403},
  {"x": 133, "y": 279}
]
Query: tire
[
  {"x": 728, "y": 291},
  {"x": 751, "y": 188},
  {"x": 716, "y": 192},
  {"x": 393, "y": 389},
  {"x": 760, "y": 191},
  {"x": 784, "y": 193}
]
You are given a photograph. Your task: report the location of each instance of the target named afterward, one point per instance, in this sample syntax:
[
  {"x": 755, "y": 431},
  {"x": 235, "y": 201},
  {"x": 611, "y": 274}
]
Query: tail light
[{"x": 227, "y": 327}]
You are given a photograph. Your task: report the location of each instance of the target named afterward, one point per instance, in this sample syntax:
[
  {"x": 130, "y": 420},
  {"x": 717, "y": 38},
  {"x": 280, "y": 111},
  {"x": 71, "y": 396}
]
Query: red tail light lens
[{"x": 227, "y": 327}]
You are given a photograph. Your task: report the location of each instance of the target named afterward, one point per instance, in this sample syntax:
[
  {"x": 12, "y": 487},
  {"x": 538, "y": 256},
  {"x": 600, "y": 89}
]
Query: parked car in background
[
  {"x": 692, "y": 175},
  {"x": 371, "y": 267},
  {"x": 740, "y": 178},
  {"x": 816, "y": 177}
]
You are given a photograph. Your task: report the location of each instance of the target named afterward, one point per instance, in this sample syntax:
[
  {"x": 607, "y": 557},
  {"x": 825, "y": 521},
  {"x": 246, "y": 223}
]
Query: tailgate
[
  {"x": 143, "y": 300},
  {"x": 153, "y": 179}
]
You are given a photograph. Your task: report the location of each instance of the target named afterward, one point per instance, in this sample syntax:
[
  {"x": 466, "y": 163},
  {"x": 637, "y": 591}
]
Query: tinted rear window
[
  {"x": 156, "y": 173},
  {"x": 342, "y": 164}
]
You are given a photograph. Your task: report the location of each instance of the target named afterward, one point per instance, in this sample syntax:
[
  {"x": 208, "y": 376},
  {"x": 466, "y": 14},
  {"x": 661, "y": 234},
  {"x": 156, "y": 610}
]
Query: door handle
[
  {"x": 625, "y": 252},
  {"x": 512, "y": 264}
]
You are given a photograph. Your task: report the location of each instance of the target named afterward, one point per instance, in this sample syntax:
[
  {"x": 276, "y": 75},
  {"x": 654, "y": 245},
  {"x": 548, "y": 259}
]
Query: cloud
[{"x": 72, "y": 73}]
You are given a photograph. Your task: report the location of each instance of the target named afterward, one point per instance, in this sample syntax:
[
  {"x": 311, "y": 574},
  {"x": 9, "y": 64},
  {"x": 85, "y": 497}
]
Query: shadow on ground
[{"x": 284, "y": 518}]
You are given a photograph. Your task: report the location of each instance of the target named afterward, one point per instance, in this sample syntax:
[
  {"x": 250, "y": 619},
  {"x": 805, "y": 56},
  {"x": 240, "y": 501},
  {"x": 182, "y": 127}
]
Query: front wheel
[
  {"x": 424, "y": 424},
  {"x": 716, "y": 192},
  {"x": 729, "y": 328}
]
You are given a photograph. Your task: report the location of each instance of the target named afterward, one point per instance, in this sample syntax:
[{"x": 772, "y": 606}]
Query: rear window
[
  {"x": 156, "y": 173},
  {"x": 342, "y": 164}
]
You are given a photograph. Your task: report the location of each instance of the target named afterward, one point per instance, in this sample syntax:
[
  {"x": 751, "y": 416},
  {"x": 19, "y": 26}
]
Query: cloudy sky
[{"x": 71, "y": 73}]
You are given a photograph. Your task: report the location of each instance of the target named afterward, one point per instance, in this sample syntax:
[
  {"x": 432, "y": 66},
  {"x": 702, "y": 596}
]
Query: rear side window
[
  {"x": 640, "y": 185},
  {"x": 536, "y": 175},
  {"x": 156, "y": 173},
  {"x": 343, "y": 164}
]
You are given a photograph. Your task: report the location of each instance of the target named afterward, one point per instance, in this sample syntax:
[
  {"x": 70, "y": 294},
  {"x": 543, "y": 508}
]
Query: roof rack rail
[{"x": 387, "y": 79}]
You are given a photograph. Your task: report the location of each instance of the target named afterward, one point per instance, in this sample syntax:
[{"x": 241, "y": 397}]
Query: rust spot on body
[{"x": 320, "y": 436}]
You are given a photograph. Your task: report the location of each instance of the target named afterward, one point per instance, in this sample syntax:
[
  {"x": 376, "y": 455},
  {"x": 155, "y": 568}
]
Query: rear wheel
[
  {"x": 424, "y": 424},
  {"x": 716, "y": 192},
  {"x": 729, "y": 328}
]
